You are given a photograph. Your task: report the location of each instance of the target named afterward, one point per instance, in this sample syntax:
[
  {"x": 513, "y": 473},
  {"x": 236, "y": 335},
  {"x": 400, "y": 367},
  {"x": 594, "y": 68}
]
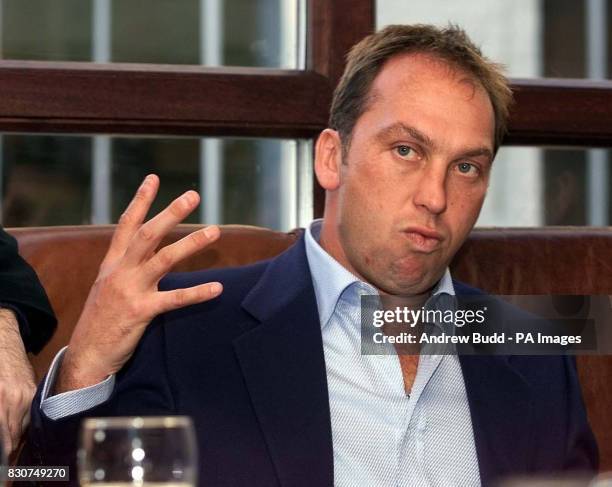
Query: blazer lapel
[{"x": 284, "y": 368}]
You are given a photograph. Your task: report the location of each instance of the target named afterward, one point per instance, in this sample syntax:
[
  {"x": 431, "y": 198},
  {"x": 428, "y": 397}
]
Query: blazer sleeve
[
  {"x": 582, "y": 453},
  {"x": 141, "y": 389},
  {"x": 21, "y": 291}
]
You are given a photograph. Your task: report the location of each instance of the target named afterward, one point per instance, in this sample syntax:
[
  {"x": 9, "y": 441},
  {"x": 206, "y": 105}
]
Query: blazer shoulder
[
  {"x": 237, "y": 282},
  {"x": 462, "y": 288},
  {"x": 474, "y": 296},
  {"x": 234, "y": 277}
]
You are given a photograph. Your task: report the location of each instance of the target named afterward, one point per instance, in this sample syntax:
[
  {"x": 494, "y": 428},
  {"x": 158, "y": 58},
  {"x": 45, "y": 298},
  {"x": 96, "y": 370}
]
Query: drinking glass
[{"x": 135, "y": 451}]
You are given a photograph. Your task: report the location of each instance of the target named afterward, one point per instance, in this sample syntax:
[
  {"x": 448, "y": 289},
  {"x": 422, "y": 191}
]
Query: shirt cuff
[{"x": 72, "y": 402}]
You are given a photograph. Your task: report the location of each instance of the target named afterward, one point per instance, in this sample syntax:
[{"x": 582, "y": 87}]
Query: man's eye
[
  {"x": 468, "y": 168},
  {"x": 405, "y": 151}
]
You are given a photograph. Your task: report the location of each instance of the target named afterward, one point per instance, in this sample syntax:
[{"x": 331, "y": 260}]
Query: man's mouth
[{"x": 423, "y": 239}]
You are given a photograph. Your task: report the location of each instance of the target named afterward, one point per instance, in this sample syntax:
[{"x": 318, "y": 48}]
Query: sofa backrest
[{"x": 500, "y": 261}]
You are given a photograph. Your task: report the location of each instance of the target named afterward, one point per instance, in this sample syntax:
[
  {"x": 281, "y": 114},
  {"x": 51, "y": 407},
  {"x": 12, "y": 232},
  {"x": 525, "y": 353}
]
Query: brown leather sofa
[{"x": 500, "y": 261}]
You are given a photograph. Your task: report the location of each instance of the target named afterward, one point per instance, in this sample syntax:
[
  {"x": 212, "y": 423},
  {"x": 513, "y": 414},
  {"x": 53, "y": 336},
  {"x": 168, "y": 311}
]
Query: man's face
[{"x": 412, "y": 183}]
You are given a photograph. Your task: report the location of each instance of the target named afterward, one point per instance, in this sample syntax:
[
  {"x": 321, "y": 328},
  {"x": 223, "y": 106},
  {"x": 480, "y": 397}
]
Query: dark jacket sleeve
[
  {"x": 21, "y": 291},
  {"x": 141, "y": 389}
]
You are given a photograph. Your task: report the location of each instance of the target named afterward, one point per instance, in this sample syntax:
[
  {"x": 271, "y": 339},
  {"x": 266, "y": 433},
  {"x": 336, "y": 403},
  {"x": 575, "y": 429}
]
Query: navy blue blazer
[{"x": 249, "y": 369}]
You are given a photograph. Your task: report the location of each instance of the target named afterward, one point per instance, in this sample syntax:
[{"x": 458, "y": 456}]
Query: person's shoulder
[
  {"x": 236, "y": 277},
  {"x": 471, "y": 296},
  {"x": 237, "y": 283},
  {"x": 538, "y": 367},
  {"x": 461, "y": 288}
]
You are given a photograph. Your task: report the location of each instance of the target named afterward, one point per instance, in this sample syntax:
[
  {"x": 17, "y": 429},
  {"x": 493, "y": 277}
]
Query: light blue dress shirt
[{"x": 381, "y": 436}]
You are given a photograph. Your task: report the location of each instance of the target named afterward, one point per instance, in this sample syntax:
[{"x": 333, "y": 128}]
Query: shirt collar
[
  {"x": 330, "y": 279},
  {"x": 445, "y": 285}
]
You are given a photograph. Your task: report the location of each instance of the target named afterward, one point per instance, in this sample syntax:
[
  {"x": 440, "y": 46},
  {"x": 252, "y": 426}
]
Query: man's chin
[
  {"x": 407, "y": 285},
  {"x": 413, "y": 279}
]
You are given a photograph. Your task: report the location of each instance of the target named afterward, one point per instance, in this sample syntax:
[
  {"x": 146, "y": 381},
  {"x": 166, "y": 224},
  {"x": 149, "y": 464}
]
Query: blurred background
[{"x": 51, "y": 179}]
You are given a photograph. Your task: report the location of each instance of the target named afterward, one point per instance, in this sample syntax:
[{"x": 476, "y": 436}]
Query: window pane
[
  {"x": 160, "y": 31},
  {"x": 54, "y": 180},
  {"x": 175, "y": 161},
  {"x": 264, "y": 33},
  {"x": 533, "y": 38},
  {"x": 536, "y": 187},
  {"x": 38, "y": 29},
  {"x": 45, "y": 180}
]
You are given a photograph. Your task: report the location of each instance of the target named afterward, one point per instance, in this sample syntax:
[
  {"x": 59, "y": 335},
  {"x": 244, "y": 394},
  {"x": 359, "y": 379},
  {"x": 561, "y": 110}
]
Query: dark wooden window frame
[{"x": 55, "y": 97}]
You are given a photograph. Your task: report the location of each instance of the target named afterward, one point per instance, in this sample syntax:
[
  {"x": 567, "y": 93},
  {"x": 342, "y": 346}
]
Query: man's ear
[{"x": 328, "y": 159}]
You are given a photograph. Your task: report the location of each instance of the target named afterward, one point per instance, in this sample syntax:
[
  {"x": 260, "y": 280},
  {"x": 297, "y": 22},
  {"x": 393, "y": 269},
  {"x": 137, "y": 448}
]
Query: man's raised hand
[{"x": 124, "y": 298}]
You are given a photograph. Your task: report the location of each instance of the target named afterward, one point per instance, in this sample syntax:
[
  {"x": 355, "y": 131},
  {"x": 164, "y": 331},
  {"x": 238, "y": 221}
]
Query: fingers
[
  {"x": 170, "y": 300},
  {"x": 169, "y": 256},
  {"x": 18, "y": 402},
  {"x": 148, "y": 237},
  {"x": 25, "y": 420},
  {"x": 5, "y": 434},
  {"x": 14, "y": 427},
  {"x": 133, "y": 216}
]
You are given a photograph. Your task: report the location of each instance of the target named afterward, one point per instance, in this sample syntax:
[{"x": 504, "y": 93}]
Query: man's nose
[{"x": 430, "y": 192}]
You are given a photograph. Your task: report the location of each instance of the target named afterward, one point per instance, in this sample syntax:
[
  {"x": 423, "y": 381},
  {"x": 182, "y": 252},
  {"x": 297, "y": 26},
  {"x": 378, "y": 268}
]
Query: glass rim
[{"x": 137, "y": 422}]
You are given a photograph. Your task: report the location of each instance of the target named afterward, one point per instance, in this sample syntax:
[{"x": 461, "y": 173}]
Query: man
[
  {"x": 270, "y": 369},
  {"x": 26, "y": 324}
]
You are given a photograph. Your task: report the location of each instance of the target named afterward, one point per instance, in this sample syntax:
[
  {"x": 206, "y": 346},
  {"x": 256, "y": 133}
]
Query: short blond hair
[{"x": 450, "y": 44}]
